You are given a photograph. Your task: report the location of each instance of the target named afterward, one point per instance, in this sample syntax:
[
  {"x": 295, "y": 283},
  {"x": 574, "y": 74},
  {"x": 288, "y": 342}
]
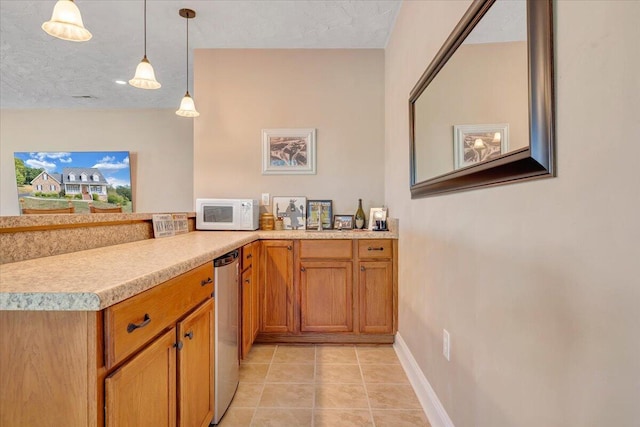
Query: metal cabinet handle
[
  {"x": 249, "y": 256},
  {"x": 303, "y": 269},
  {"x": 362, "y": 268},
  {"x": 189, "y": 335},
  {"x": 289, "y": 247},
  {"x": 247, "y": 280},
  {"x": 178, "y": 345},
  {"x": 206, "y": 282},
  {"x": 133, "y": 326},
  {"x": 370, "y": 248}
]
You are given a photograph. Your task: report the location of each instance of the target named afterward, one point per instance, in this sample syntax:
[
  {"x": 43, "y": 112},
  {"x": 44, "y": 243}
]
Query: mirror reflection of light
[
  {"x": 496, "y": 137},
  {"x": 478, "y": 143}
]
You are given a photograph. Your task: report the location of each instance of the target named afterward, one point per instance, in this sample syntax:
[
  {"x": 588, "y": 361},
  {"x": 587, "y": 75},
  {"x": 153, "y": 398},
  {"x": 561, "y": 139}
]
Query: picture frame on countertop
[
  {"x": 377, "y": 219},
  {"x": 343, "y": 222},
  {"x": 322, "y": 209},
  {"x": 180, "y": 223},
  {"x": 289, "y": 151},
  {"x": 163, "y": 225},
  {"x": 292, "y": 210}
]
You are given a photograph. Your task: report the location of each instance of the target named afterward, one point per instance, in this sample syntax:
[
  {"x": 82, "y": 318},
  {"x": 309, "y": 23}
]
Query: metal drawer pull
[
  {"x": 132, "y": 326},
  {"x": 249, "y": 256},
  {"x": 362, "y": 268},
  {"x": 189, "y": 335},
  {"x": 289, "y": 247},
  {"x": 247, "y": 281},
  {"x": 206, "y": 282},
  {"x": 375, "y": 249},
  {"x": 303, "y": 269}
]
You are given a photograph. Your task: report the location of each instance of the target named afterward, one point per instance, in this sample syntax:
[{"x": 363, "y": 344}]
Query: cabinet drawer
[
  {"x": 374, "y": 248},
  {"x": 326, "y": 249},
  {"x": 247, "y": 255},
  {"x": 132, "y": 323}
]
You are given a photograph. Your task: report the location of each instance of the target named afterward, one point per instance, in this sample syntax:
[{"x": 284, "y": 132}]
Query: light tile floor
[{"x": 323, "y": 385}]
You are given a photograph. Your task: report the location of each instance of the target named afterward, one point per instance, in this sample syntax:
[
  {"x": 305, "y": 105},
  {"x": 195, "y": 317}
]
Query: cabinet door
[
  {"x": 277, "y": 286},
  {"x": 195, "y": 367},
  {"x": 143, "y": 391},
  {"x": 246, "y": 286},
  {"x": 376, "y": 297},
  {"x": 255, "y": 293},
  {"x": 326, "y": 296}
]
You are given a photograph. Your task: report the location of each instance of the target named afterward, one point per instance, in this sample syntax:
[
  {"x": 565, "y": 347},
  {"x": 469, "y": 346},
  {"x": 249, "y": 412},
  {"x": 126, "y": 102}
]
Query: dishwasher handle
[{"x": 226, "y": 259}]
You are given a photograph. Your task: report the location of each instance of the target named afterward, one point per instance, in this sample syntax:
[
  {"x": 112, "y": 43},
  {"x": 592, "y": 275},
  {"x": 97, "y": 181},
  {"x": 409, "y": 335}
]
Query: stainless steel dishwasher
[{"x": 227, "y": 364}]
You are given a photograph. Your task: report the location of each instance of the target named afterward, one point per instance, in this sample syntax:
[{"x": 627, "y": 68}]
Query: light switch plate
[{"x": 265, "y": 199}]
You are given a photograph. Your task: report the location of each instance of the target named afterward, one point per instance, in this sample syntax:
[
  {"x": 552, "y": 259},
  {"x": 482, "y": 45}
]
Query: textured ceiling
[{"x": 39, "y": 71}]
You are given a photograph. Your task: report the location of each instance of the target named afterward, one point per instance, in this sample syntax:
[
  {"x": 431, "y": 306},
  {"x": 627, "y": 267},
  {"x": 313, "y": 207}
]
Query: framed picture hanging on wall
[{"x": 288, "y": 151}]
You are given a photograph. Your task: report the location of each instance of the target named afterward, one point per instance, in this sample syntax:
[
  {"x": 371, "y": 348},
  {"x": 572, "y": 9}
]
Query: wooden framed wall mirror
[{"x": 482, "y": 113}]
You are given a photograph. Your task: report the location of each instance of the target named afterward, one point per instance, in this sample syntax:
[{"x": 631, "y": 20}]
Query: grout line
[
  {"x": 264, "y": 383},
  {"x": 366, "y": 392}
]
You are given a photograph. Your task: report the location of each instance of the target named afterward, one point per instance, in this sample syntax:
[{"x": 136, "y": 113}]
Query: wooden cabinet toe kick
[{"x": 329, "y": 338}]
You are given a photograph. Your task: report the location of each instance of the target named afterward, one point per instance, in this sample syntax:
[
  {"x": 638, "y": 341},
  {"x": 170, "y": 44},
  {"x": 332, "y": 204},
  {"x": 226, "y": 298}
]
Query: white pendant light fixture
[
  {"x": 145, "y": 78},
  {"x": 187, "y": 106},
  {"x": 66, "y": 23}
]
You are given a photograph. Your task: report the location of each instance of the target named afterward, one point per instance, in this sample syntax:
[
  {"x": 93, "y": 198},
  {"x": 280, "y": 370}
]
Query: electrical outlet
[
  {"x": 265, "y": 199},
  {"x": 446, "y": 344}
]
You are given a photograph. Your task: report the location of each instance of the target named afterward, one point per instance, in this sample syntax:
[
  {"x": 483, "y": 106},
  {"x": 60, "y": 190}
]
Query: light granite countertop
[{"x": 94, "y": 279}]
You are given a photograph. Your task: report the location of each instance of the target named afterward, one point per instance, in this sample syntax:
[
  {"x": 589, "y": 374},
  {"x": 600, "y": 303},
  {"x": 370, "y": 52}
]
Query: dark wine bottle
[{"x": 359, "y": 216}]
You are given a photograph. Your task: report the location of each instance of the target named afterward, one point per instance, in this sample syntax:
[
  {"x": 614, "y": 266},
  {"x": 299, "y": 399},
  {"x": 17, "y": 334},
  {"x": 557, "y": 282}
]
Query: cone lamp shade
[
  {"x": 66, "y": 23},
  {"x": 187, "y": 106},
  {"x": 145, "y": 77}
]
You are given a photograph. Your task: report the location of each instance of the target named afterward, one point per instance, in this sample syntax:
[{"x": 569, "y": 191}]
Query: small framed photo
[
  {"x": 319, "y": 210},
  {"x": 292, "y": 210},
  {"x": 288, "y": 151},
  {"x": 378, "y": 219},
  {"x": 343, "y": 222},
  {"x": 477, "y": 143}
]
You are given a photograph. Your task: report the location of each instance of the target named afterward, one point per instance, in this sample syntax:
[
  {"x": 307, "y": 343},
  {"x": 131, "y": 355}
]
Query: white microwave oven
[{"x": 227, "y": 214}]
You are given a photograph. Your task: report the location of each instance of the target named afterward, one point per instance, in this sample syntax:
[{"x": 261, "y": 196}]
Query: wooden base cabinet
[
  {"x": 276, "y": 287},
  {"x": 143, "y": 391},
  {"x": 249, "y": 297},
  {"x": 309, "y": 296},
  {"x": 375, "y": 281},
  {"x": 326, "y": 296},
  {"x": 195, "y": 367},
  {"x": 146, "y": 361},
  {"x": 377, "y": 286}
]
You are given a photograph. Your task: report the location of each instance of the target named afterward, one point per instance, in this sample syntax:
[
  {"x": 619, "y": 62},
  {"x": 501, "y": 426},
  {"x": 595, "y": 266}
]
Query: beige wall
[
  {"x": 159, "y": 141},
  {"x": 481, "y": 84},
  {"x": 537, "y": 282},
  {"x": 338, "y": 92}
]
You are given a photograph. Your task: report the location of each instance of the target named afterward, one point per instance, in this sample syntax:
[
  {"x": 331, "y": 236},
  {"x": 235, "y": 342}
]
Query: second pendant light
[
  {"x": 187, "y": 106},
  {"x": 145, "y": 77}
]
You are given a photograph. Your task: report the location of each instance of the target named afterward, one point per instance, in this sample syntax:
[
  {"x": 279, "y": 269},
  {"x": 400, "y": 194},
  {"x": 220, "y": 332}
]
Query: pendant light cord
[
  {"x": 145, "y": 28},
  {"x": 187, "y": 52}
]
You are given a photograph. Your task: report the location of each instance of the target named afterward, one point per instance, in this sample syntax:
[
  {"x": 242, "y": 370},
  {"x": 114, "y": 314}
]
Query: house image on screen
[{"x": 85, "y": 181}]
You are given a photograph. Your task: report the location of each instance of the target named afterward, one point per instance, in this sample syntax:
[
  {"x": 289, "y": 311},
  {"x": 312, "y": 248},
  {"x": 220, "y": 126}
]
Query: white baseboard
[{"x": 431, "y": 405}]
